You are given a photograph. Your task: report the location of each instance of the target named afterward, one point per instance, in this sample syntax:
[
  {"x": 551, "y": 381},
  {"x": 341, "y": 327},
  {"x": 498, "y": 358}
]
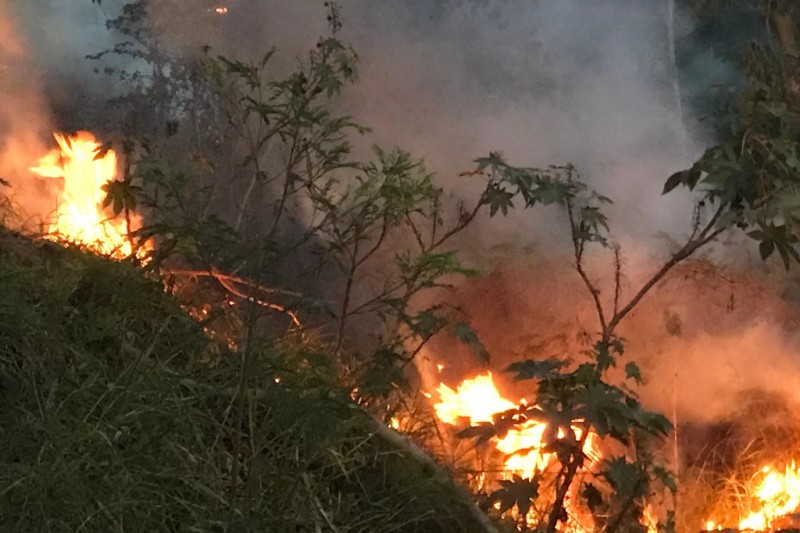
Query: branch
[
  {"x": 227, "y": 281},
  {"x": 577, "y": 245},
  {"x": 439, "y": 473},
  {"x": 707, "y": 235}
]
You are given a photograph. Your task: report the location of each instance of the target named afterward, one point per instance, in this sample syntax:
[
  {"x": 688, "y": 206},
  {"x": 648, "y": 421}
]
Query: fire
[
  {"x": 774, "y": 497},
  {"x": 778, "y": 495},
  {"x": 477, "y": 400},
  {"x": 80, "y": 216}
]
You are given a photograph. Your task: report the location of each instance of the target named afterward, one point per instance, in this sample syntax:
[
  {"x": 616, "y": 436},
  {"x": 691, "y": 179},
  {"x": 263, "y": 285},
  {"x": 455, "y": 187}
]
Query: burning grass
[{"x": 744, "y": 474}]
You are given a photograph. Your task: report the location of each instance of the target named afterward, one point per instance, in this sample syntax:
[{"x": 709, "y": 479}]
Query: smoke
[
  {"x": 24, "y": 122},
  {"x": 704, "y": 338},
  {"x": 590, "y": 83}
]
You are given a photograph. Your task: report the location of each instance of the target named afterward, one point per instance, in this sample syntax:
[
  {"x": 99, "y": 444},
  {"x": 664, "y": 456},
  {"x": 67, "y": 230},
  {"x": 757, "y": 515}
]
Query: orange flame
[
  {"x": 778, "y": 495},
  {"x": 80, "y": 216},
  {"x": 477, "y": 400}
]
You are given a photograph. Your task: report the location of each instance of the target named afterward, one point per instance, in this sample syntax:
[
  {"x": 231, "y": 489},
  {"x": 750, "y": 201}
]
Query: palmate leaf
[
  {"x": 494, "y": 162},
  {"x": 627, "y": 479},
  {"x": 121, "y": 195},
  {"x": 518, "y": 491},
  {"x": 497, "y": 198},
  {"x": 772, "y": 238}
]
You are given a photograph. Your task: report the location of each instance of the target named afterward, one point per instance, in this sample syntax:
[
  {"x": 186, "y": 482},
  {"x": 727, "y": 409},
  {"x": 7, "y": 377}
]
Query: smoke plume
[{"x": 589, "y": 83}]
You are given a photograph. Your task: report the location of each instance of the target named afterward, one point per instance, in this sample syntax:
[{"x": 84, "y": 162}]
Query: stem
[
  {"x": 252, "y": 185},
  {"x": 577, "y": 245},
  {"x": 688, "y": 249},
  {"x": 566, "y": 483},
  {"x": 346, "y": 302}
]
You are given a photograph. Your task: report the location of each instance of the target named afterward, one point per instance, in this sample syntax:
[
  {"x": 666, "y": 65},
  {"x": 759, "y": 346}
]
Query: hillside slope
[{"x": 118, "y": 414}]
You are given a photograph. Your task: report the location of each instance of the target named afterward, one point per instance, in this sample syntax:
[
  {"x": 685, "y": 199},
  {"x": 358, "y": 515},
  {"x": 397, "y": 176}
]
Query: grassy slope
[{"x": 111, "y": 421}]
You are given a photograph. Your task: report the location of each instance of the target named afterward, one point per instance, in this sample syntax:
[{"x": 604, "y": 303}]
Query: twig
[{"x": 227, "y": 282}]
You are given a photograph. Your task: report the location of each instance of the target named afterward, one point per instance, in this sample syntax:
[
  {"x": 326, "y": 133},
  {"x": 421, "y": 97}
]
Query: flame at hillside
[
  {"x": 773, "y": 497},
  {"x": 478, "y": 400},
  {"x": 80, "y": 216}
]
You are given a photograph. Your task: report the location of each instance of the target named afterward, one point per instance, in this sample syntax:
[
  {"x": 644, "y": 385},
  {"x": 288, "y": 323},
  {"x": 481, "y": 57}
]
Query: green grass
[{"x": 118, "y": 414}]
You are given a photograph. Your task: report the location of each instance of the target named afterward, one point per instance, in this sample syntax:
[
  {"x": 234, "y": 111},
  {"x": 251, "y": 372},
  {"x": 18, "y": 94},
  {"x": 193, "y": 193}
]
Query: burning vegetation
[
  {"x": 82, "y": 215},
  {"x": 273, "y": 335}
]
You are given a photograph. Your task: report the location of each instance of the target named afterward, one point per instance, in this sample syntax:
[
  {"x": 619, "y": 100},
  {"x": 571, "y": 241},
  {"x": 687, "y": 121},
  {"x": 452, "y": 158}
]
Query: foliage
[
  {"x": 303, "y": 210},
  {"x": 751, "y": 179},
  {"x": 376, "y": 228}
]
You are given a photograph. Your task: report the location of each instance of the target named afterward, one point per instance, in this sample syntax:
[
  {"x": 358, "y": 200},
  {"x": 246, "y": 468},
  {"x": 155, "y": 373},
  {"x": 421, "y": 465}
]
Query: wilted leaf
[
  {"x": 468, "y": 336},
  {"x": 535, "y": 369},
  {"x": 593, "y": 497},
  {"x": 483, "y": 432}
]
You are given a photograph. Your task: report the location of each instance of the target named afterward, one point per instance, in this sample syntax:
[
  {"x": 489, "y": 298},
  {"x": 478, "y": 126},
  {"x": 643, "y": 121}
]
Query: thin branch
[
  {"x": 689, "y": 248},
  {"x": 617, "y": 277},
  {"x": 227, "y": 282},
  {"x": 577, "y": 244}
]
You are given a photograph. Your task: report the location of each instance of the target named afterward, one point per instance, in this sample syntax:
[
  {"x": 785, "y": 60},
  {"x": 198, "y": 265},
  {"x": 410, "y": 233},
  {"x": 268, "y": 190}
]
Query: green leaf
[
  {"x": 765, "y": 249},
  {"x": 494, "y": 161},
  {"x": 632, "y": 372},
  {"x": 627, "y": 479},
  {"x": 497, "y": 198},
  {"x": 603, "y": 356},
  {"x": 673, "y": 181}
]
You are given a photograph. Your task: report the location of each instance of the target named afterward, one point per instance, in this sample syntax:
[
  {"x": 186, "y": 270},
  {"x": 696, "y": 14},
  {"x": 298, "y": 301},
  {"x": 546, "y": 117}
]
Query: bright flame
[
  {"x": 778, "y": 495},
  {"x": 477, "y": 400},
  {"x": 80, "y": 216},
  {"x": 222, "y": 10}
]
